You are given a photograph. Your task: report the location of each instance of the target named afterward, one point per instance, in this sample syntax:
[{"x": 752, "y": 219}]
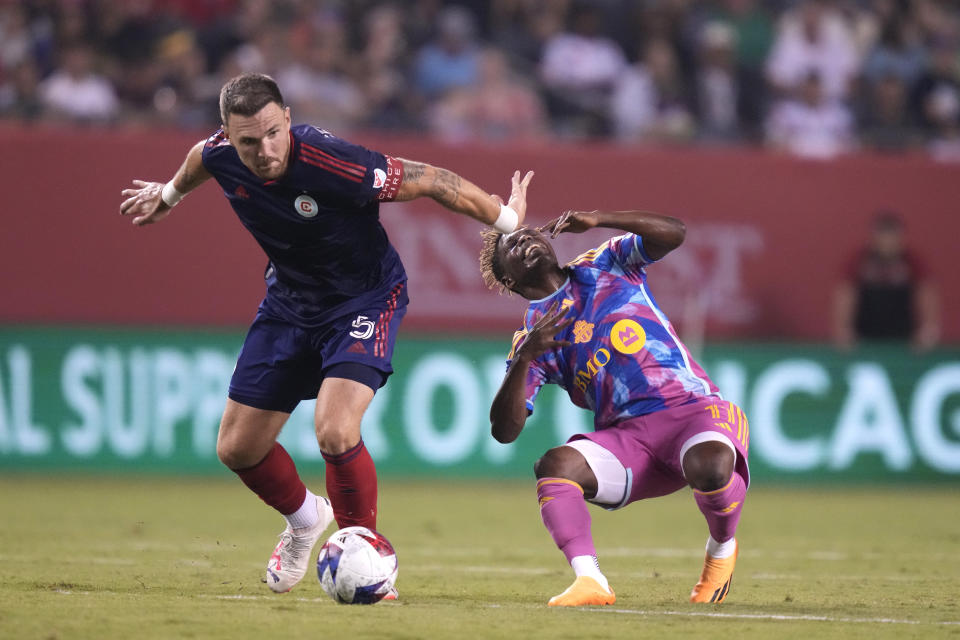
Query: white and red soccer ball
[{"x": 357, "y": 566}]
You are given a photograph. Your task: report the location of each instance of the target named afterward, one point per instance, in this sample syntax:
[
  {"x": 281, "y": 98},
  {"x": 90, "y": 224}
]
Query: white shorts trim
[
  {"x": 705, "y": 436},
  {"x": 614, "y": 481}
]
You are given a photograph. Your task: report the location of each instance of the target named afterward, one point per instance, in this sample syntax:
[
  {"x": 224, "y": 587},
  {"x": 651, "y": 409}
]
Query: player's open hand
[
  {"x": 518, "y": 194},
  {"x": 571, "y": 222},
  {"x": 542, "y": 337},
  {"x": 144, "y": 203}
]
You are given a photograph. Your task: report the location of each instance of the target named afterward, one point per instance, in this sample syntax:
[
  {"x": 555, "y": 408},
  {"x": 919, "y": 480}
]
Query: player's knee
[
  {"x": 563, "y": 462},
  {"x": 334, "y": 438},
  {"x": 232, "y": 455},
  {"x": 708, "y": 466}
]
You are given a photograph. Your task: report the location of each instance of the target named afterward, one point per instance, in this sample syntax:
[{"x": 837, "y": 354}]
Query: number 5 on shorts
[{"x": 364, "y": 328}]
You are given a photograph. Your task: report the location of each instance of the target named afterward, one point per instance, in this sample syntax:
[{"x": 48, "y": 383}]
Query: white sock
[
  {"x": 307, "y": 515},
  {"x": 720, "y": 549},
  {"x": 588, "y": 566}
]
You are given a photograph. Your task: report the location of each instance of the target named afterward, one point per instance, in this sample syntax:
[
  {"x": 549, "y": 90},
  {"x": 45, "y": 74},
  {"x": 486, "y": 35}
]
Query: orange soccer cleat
[
  {"x": 715, "y": 580},
  {"x": 584, "y": 590}
]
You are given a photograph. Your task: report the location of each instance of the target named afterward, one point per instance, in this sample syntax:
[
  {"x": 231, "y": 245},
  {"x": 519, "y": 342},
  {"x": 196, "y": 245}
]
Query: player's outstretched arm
[
  {"x": 508, "y": 413},
  {"x": 150, "y": 202},
  {"x": 661, "y": 234},
  {"x": 461, "y": 195}
]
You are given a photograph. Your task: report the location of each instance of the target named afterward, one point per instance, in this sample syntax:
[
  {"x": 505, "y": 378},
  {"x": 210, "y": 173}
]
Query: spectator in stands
[
  {"x": 650, "y": 100},
  {"x": 381, "y": 70},
  {"x": 940, "y": 75},
  {"x": 521, "y": 29},
  {"x": 315, "y": 84},
  {"x": 814, "y": 36},
  {"x": 16, "y": 41},
  {"x": 579, "y": 70},
  {"x": 76, "y": 92},
  {"x": 452, "y": 59},
  {"x": 943, "y": 111},
  {"x": 20, "y": 94},
  {"x": 717, "y": 85},
  {"x": 186, "y": 97},
  {"x": 263, "y": 49},
  {"x": 886, "y": 123},
  {"x": 886, "y": 293},
  {"x": 499, "y": 108},
  {"x": 752, "y": 26},
  {"x": 898, "y": 52},
  {"x": 812, "y": 125}
]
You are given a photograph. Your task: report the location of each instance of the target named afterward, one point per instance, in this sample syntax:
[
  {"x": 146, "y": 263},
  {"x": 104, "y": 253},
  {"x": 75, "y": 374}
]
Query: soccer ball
[{"x": 357, "y": 566}]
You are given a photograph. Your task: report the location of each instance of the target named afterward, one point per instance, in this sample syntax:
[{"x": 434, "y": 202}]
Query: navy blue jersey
[{"x": 319, "y": 223}]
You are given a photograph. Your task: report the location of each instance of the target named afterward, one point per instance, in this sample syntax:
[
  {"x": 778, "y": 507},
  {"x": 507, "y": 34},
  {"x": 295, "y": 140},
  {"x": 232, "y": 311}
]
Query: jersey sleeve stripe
[
  {"x": 588, "y": 256},
  {"x": 331, "y": 169},
  {"x": 517, "y": 339},
  {"x": 337, "y": 161}
]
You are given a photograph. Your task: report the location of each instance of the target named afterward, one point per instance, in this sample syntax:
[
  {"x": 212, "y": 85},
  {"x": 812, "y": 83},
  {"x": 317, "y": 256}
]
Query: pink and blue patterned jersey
[{"x": 625, "y": 358}]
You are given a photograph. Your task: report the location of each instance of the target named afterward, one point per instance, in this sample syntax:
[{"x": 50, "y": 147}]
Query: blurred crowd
[{"x": 816, "y": 78}]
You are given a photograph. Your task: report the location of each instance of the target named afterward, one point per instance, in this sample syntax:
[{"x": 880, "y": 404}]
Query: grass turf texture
[{"x": 162, "y": 558}]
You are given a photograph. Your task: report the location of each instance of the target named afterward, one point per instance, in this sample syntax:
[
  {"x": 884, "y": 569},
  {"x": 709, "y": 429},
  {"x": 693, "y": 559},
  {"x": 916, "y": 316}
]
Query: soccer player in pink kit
[{"x": 660, "y": 423}]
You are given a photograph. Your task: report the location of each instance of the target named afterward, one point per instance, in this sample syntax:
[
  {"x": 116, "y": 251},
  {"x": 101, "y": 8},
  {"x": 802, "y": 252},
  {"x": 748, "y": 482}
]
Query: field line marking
[{"x": 772, "y": 616}]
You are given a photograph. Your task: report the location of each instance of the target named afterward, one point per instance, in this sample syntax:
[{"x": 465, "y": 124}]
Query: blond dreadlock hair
[{"x": 490, "y": 267}]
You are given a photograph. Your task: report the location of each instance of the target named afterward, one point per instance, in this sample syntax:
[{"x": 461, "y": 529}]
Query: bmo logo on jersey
[{"x": 306, "y": 206}]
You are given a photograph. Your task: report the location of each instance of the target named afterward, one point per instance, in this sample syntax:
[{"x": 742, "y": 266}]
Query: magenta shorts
[{"x": 649, "y": 447}]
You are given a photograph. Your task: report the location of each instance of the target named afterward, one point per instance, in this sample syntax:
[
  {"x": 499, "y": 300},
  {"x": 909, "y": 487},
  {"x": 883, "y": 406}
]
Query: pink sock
[
  {"x": 276, "y": 481},
  {"x": 722, "y": 507},
  {"x": 565, "y": 516}
]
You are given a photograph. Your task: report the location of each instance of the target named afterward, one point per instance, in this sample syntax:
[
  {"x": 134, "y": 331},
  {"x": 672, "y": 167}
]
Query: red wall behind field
[{"x": 767, "y": 235}]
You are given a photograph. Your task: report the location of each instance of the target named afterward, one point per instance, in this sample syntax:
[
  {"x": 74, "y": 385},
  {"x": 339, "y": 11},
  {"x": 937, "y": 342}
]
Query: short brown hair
[
  {"x": 490, "y": 267},
  {"x": 247, "y": 93}
]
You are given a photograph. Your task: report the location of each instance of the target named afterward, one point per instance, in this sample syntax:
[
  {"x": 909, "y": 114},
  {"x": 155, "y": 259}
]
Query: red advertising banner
[{"x": 767, "y": 235}]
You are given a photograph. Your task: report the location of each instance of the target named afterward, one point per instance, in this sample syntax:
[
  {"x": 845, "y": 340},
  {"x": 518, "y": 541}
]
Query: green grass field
[{"x": 160, "y": 558}]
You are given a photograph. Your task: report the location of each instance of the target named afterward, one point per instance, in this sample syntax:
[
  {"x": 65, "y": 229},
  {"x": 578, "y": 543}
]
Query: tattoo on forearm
[
  {"x": 446, "y": 187},
  {"x": 412, "y": 171}
]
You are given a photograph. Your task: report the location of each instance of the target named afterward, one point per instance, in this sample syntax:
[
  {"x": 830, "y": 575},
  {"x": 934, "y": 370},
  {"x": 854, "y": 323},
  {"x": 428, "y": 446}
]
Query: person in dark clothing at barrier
[{"x": 886, "y": 293}]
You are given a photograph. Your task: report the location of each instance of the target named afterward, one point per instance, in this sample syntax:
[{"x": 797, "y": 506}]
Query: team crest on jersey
[
  {"x": 627, "y": 336},
  {"x": 582, "y": 331},
  {"x": 306, "y": 206},
  {"x": 379, "y": 178}
]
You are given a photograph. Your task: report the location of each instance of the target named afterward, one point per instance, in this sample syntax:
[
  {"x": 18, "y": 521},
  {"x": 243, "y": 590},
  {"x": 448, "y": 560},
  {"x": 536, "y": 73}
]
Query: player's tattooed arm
[
  {"x": 458, "y": 194},
  {"x": 661, "y": 234},
  {"x": 420, "y": 179}
]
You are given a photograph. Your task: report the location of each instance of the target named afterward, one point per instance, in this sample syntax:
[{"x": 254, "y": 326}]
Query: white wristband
[
  {"x": 507, "y": 221},
  {"x": 170, "y": 195}
]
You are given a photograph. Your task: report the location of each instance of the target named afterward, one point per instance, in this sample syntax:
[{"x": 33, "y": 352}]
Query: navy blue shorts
[{"x": 281, "y": 364}]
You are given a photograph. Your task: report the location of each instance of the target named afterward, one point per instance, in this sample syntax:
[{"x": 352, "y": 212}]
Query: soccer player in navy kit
[{"x": 336, "y": 293}]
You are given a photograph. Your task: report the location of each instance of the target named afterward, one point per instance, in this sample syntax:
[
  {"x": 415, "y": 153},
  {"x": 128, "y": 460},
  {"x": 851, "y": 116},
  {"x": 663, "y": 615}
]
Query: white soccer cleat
[{"x": 291, "y": 556}]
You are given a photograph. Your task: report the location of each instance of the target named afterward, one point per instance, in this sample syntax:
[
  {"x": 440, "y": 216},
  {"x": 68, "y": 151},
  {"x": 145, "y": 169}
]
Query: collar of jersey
[{"x": 559, "y": 289}]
